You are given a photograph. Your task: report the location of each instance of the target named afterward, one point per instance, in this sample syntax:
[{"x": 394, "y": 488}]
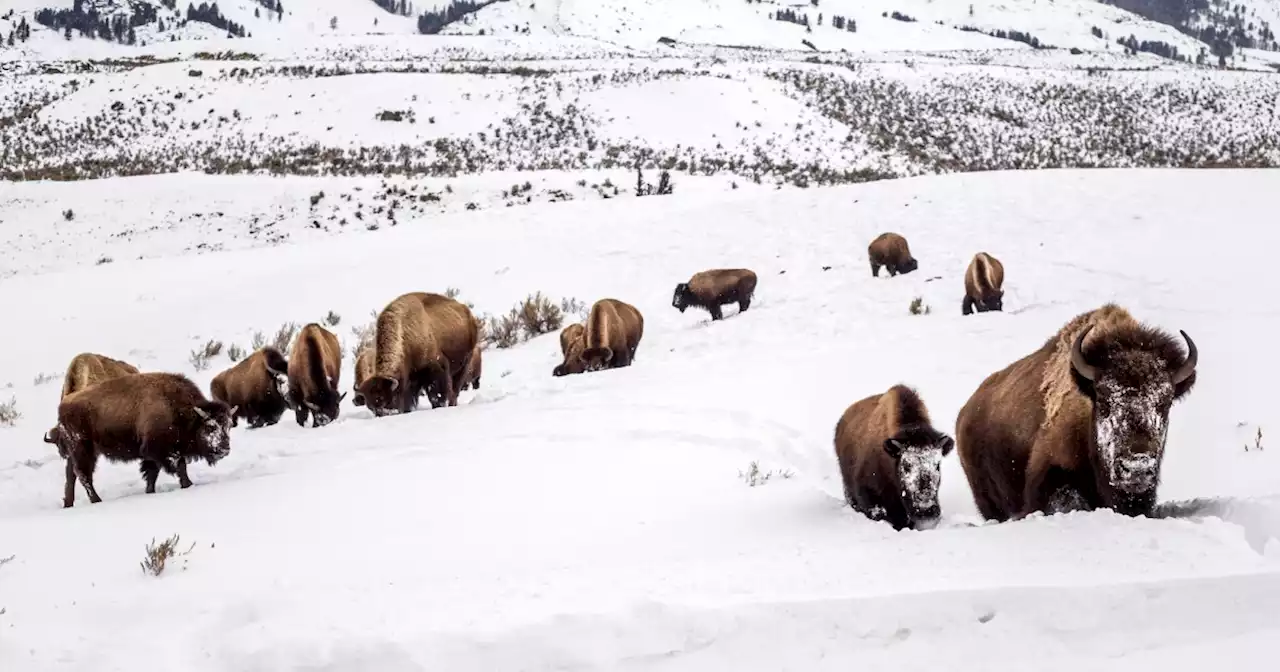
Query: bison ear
[
  {"x": 947, "y": 444},
  {"x": 893, "y": 448}
]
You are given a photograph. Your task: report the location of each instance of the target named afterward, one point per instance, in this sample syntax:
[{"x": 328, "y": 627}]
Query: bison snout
[{"x": 1135, "y": 473}]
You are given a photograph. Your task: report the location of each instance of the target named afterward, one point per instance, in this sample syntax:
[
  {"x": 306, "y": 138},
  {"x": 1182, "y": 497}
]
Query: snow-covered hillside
[{"x": 600, "y": 521}]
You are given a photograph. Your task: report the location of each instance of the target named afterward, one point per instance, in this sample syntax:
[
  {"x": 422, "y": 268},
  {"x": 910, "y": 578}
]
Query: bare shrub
[
  {"x": 539, "y": 315},
  {"x": 753, "y": 476},
  {"x": 332, "y": 319},
  {"x": 572, "y": 306},
  {"x": 919, "y": 307},
  {"x": 9, "y": 413},
  {"x": 200, "y": 357},
  {"x": 364, "y": 333},
  {"x": 284, "y": 337},
  {"x": 503, "y": 332},
  {"x": 258, "y": 341},
  {"x": 235, "y": 353},
  {"x": 43, "y": 378},
  {"x": 158, "y": 555}
]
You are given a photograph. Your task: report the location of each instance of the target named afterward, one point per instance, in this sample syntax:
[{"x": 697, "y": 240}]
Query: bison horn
[
  {"x": 204, "y": 415},
  {"x": 341, "y": 397},
  {"x": 311, "y": 406},
  {"x": 395, "y": 384},
  {"x": 48, "y": 437},
  {"x": 1078, "y": 362},
  {"x": 1188, "y": 367}
]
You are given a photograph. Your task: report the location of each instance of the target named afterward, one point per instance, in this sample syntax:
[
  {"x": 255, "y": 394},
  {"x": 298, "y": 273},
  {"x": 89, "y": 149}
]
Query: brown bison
[
  {"x": 1079, "y": 423},
  {"x": 891, "y": 459},
  {"x": 611, "y": 335},
  {"x": 257, "y": 387},
  {"x": 712, "y": 289},
  {"x": 890, "y": 250},
  {"x": 86, "y": 370},
  {"x": 475, "y": 367},
  {"x": 423, "y": 342},
  {"x": 364, "y": 369},
  {"x": 161, "y": 419},
  {"x": 315, "y": 364},
  {"x": 983, "y": 282},
  {"x": 573, "y": 340}
]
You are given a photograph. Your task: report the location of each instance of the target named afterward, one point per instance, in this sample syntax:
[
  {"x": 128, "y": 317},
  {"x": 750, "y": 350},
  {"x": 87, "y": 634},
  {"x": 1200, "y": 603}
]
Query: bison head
[
  {"x": 682, "y": 297},
  {"x": 917, "y": 454},
  {"x": 381, "y": 395},
  {"x": 1133, "y": 381},
  {"x": 908, "y": 266},
  {"x": 324, "y": 409},
  {"x": 213, "y": 429},
  {"x": 357, "y": 399}
]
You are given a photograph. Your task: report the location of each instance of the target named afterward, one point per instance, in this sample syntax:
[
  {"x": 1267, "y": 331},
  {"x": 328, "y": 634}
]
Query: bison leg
[
  {"x": 69, "y": 493},
  {"x": 966, "y": 306},
  {"x": 180, "y": 465},
  {"x": 84, "y": 460},
  {"x": 744, "y": 303},
  {"x": 444, "y": 385},
  {"x": 875, "y": 270},
  {"x": 714, "y": 309},
  {"x": 150, "y": 470},
  {"x": 300, "y": 414},
  {"x": 893, "y": 270}
]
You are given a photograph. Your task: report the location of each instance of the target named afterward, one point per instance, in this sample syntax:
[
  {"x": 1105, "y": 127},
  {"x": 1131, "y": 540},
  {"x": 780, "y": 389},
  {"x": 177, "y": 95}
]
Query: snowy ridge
[{"x": 600, "y": 520}]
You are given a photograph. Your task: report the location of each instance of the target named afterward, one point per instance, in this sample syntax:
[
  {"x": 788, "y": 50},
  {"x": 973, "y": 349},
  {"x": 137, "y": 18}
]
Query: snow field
[{"x": 599, "y": 520}]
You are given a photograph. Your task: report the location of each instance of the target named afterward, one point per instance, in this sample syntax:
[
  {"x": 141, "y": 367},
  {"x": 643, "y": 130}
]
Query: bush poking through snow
[
  {"x": 235, "y": 353},
  {"x": 503, "y": 332},
  {"x": 158, "y": 555},
  {"x": 5, "y": 561},
  {"x": 364, "y": 333},
  {"x": 284, "y": 337},
  {"x": 538, "y": 316},
  {"x": 754, "y": 477},
  {"x": 919, "y": 307},
  {"x": 332, "y": 319},
  {"x": 43, "y": 378},
  {"x": 1257, "y": 442},
  {"x": 572, "y": 306},
  {"x": 200, "y": 356},
  {"x": 9, "y": 412}
]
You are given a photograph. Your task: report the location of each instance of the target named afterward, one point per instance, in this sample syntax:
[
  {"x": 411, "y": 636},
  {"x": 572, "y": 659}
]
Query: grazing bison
[
  {"x": 257, "y": 387},
  {"x": 573, "y": 340},
  {"x": 712, "y": 289},
  {"x": 86, "y": 370},
  {"x": 983, "y": 282},
  {"x": 315, "y": 365},
  {"x": 423, "y": 342},
  {"x": 1079, "y": 423},
  {"x": 364, "y": 369},
  {"x": 890, "y": 250},
  {"x": 891, "y": 459},
  {"x": 161, "y": 419},
  {"x": 475, "y": 367},
  {"x": 611, "y": 335}
]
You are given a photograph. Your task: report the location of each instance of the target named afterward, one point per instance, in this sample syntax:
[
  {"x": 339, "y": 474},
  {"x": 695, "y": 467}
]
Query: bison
[
  {"x": 1078, "y": 424},
  {"x": 890, "y": 459},
  {"x": 611, "y": 335},
  {"x": 983, "y": 282},
  {"x": 890, "y": 250},
  {"x": 572, "y": 343},
  {"x": 475, "y": 367},
  {"x": 422, "y": 342},
  {"x": 161, "y": 419},
  {"x": 257, "y": 387},
  {"x": 715, "y": 288},
  {"x": 315, "y": 364},
  {"x": 86, "y": 370},
  {"x": 364, "y": 369}
]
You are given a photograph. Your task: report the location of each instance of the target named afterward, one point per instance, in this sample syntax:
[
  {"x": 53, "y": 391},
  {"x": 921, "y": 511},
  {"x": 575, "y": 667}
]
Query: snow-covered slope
[{"x": 600, "y": 521}]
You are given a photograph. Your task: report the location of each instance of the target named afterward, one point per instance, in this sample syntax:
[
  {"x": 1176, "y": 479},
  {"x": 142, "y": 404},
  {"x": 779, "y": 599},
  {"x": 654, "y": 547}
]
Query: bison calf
[
  {"x": 314, "y": 367},
  {"x": 890, "y": 250},
  {"x": 891, "y": 459},
  {"x": 257, "y": 387},
  {"x": 161, "y": 419},
  {"x": 364, "y": 369},
  {"x": 611, "y": 335},
  {"x": 711, "y": 289},
  {"x": 573, "y": 340},
  {"x": 983, "y": 282}
]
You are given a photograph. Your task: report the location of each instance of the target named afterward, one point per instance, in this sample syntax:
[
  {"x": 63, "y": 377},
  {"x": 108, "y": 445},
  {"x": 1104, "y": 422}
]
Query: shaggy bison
[
  {"x": 86, "y": 370},
  {"x": 983, "y": 282},
  {"x": 364, "y": 369},
  {"x": 611, "y": 335},
  {"x": 315, "y": 364},
  {"x": 573, "y": 340},
  {"x": 1079, "y": 423},
  {"x": 890, "y": 250},
  {"x": 891, "y": 459},
  {"x": 475, "y": 367},
  {"x": 711, "y": 289},
  {"x": 257, "y": 387},
  {"x": 422, "y": 342},
  {"x": 161, "y": 419}
]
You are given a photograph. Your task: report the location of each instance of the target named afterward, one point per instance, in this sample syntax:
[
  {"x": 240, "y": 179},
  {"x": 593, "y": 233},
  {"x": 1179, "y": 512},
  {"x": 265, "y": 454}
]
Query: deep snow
[{"x": 599, "y": 521}]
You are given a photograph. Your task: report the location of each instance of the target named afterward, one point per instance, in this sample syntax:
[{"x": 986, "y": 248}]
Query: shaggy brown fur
[
  {"x": 315, "y": 364},
  {"x": 254, "y": 387},
  {"x": 890, "y": 458},
  {"x": 573, "y": 340},
  {"x": 1079, "y": 423},
  {"x": 161, "y": 419},
  {"x": 712, "y": 289},
  {"x": 423, "y": 342},
  {"x": 364, "y": 369},
  {"x": 86, "y": 370},
  {"x": 612, "y": 334},
  {"x": 475, "y": 367},
  {"x": 891, "y": 251},
  {"x": 983, "y": 285}
]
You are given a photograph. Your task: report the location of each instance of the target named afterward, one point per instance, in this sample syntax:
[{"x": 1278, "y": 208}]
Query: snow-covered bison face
[
  {"x": 918, "y": 457},
  {"x": 1132, "y": 392}
]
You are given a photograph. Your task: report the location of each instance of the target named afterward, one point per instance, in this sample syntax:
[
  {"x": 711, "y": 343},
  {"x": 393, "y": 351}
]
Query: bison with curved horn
[
  {"x": 257, "y": 387},
  {"x": 573, "y": 340},
  {"x": 1078, "y": 424},
  {"x": 890, "y": 459}
]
